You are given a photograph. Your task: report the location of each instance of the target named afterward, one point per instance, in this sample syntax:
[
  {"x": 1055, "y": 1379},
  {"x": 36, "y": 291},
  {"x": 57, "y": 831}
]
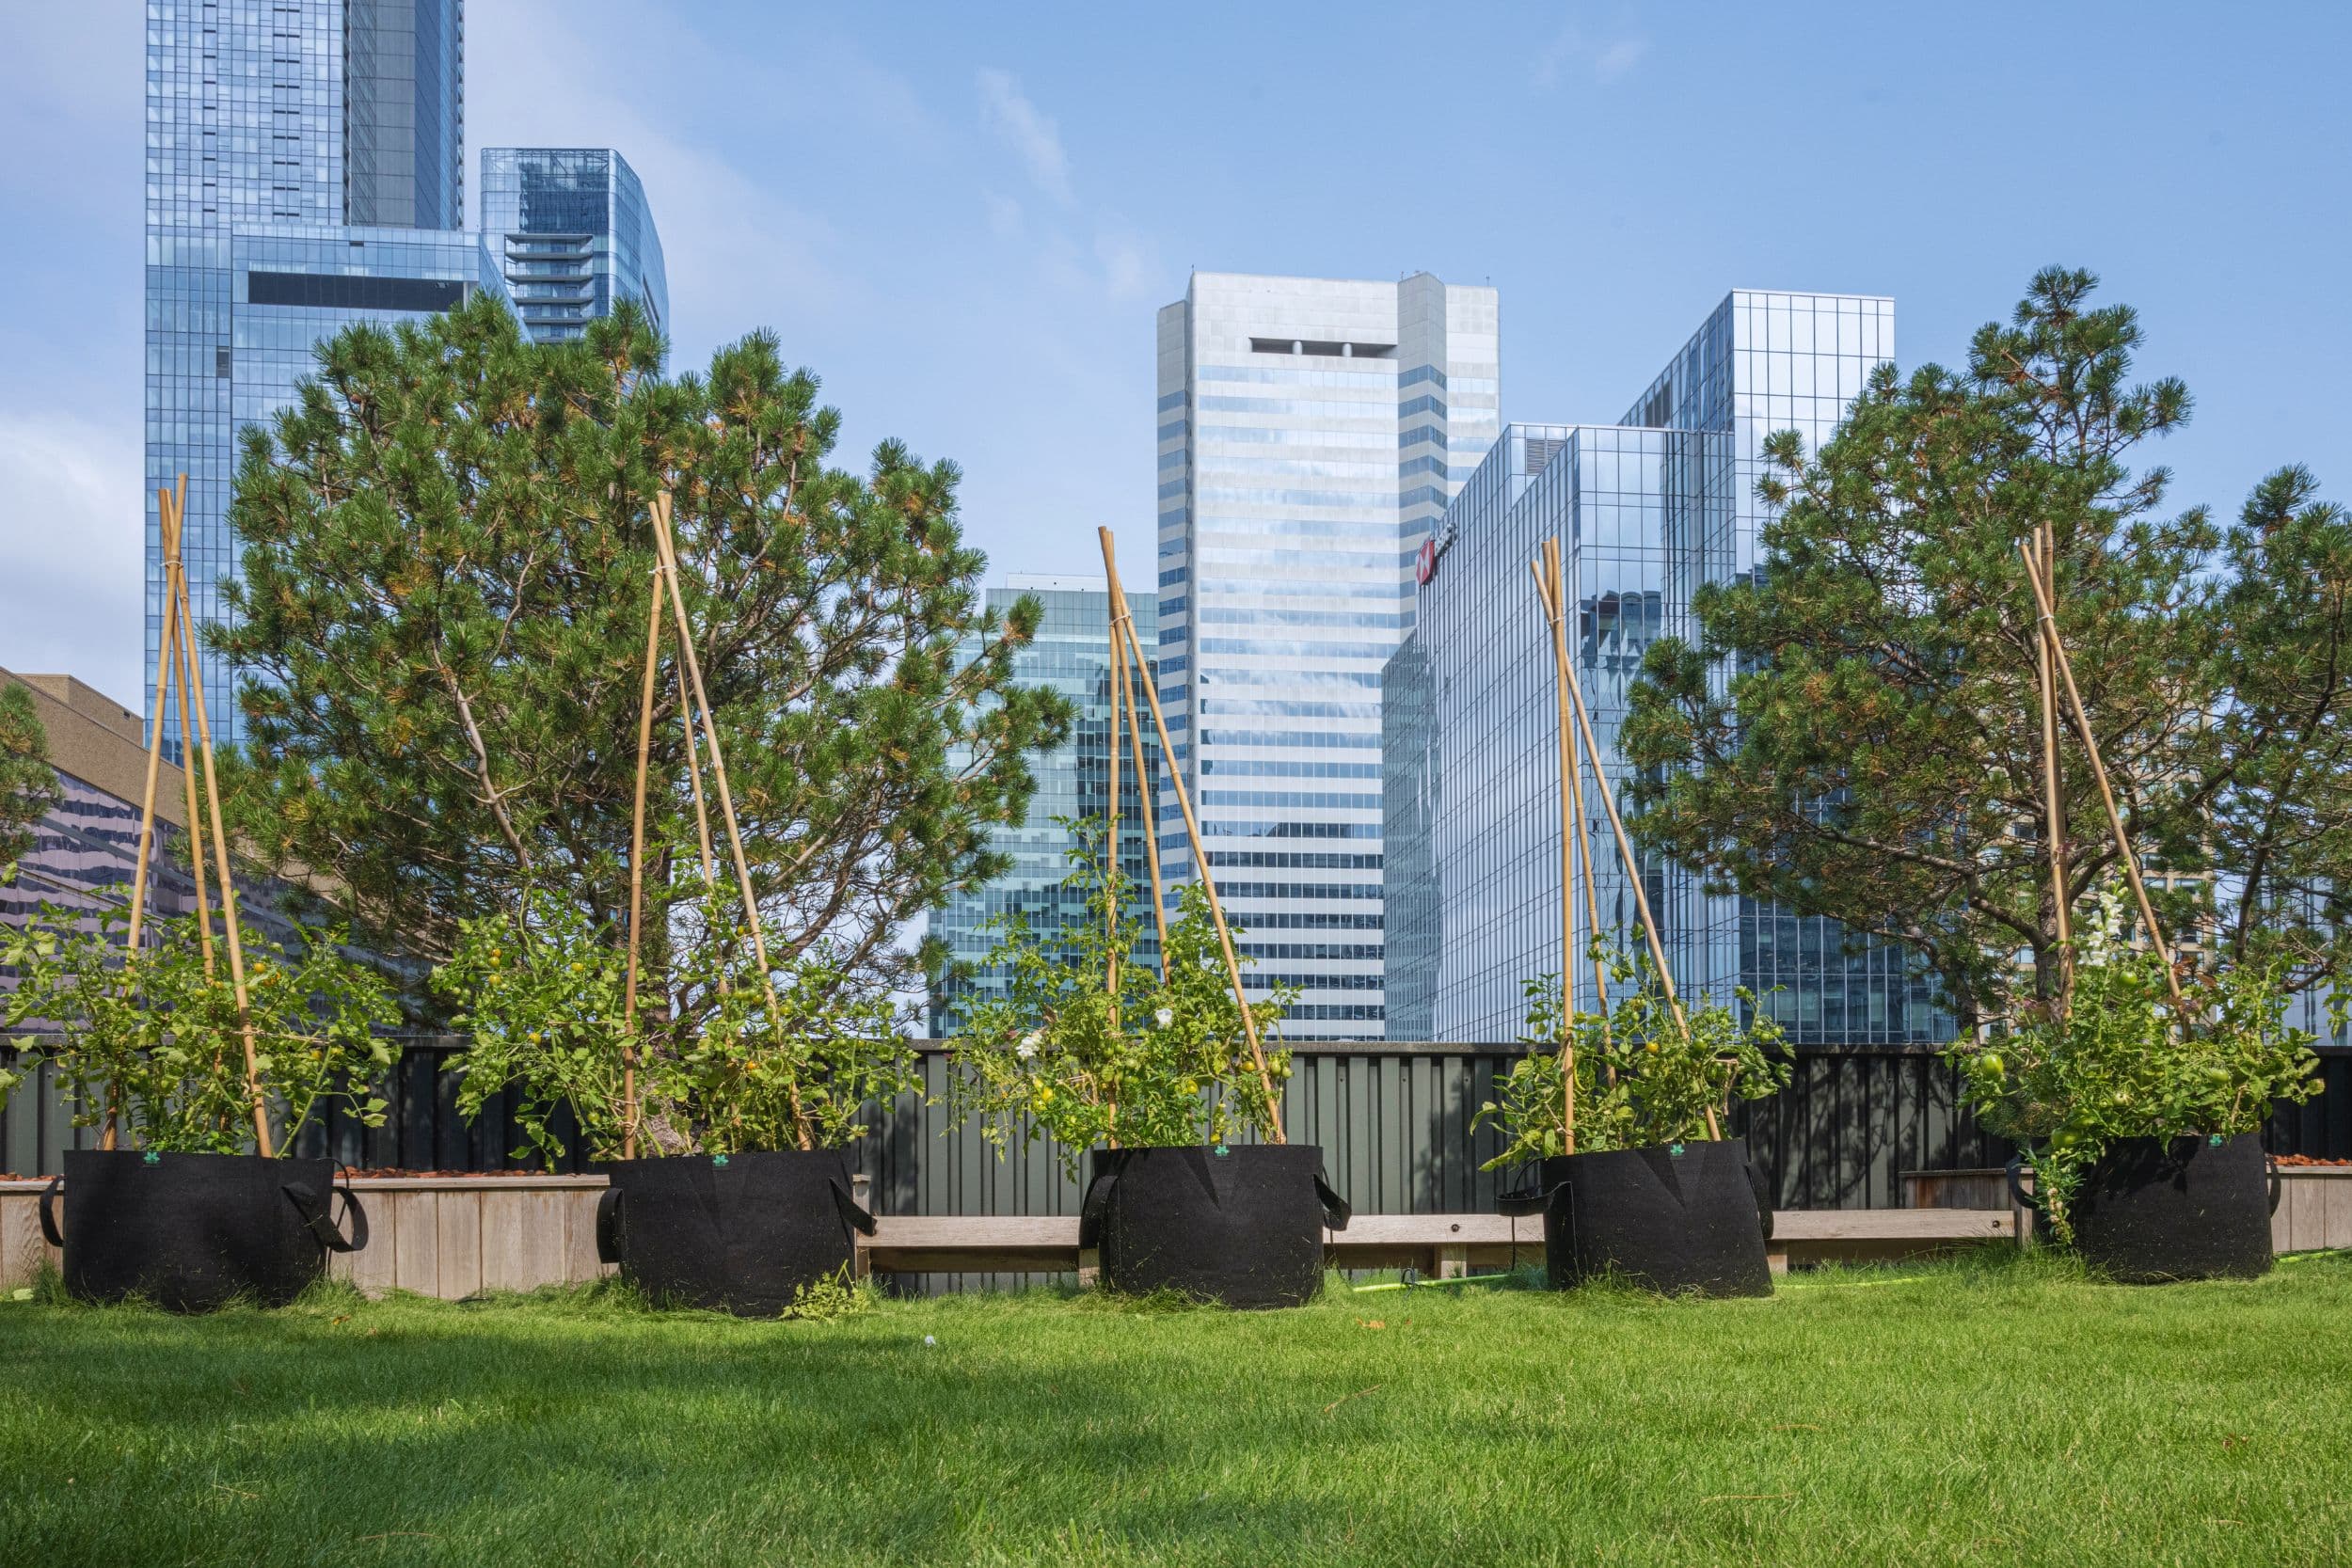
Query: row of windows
[
  {"x": 1278, "y": 647},
  {"x": 1358, "y": 891},
  {"x": 1212, "y": 436},
  {"x": 1289, "y": 709},
  {"x": 1329, "y": 952},
  {"x": 1336, "y": 1012},
  {"x": 1219, "y": 615},
  {"x": 1273, "y": 860},
  {"x": 1221, "y": 828},
  {"x": 1252, "y": 768},
  {"x": 1285, "y": 376},
  {"x": 1291, "y": 799},
  {"x": 1316, "y": 982},
  {"x": 1328, "y": 740},
  {"x": 1261, "y": 495},
  {"x": 1298, "y": 920},
  {"x": 1305, "y": 409}
]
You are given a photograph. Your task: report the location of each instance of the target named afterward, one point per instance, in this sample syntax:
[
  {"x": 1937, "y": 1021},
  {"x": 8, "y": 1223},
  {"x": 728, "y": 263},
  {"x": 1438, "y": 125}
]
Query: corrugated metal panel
[{"x": 1393, "y": 1122}]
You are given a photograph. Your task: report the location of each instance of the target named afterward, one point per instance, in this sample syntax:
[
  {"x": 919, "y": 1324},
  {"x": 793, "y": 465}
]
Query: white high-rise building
[{"x": 1312, "y": 433}]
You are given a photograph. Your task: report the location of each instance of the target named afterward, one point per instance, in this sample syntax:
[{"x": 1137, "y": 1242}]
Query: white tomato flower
[
  {"x": 1164, "y": 1016},
  {"x": 1028, "y": 1047}
]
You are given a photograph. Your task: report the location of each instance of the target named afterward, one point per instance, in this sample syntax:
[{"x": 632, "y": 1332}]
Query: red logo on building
[{"x": 1425, "y": 565}]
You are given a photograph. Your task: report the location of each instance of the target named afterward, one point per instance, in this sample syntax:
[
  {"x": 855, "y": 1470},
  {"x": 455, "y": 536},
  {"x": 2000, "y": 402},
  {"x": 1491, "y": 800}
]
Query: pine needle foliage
[
  {"x": 448, "y": 554},
  {"x": 1856, "y": 730}
]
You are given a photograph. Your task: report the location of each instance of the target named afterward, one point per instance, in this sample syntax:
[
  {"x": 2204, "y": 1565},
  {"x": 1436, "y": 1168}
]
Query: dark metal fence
[{"x": 1394, "y": 1121}]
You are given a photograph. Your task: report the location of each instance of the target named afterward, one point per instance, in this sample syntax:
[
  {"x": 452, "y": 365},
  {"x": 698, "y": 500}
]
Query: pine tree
[
  {"x": 446, "y": 562},
  {"x": 1875, "y": 752}
]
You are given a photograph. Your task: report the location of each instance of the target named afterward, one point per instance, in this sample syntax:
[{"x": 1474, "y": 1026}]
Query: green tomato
[{"x": 1992, "y": 1065}]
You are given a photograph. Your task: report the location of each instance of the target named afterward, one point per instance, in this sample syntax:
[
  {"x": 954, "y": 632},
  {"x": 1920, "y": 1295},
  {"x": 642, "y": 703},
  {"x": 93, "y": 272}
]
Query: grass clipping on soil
[{"x": 1984, "y": 1410}]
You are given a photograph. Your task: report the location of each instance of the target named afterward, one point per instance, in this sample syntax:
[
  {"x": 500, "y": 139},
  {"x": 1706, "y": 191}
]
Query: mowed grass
[{"x": 1974, "y": 1412}]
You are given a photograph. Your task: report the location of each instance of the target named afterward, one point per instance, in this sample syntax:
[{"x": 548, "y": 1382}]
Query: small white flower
[
  {"x": 930, "y": 1339},
  {"x": 1164, "y": 1016},
  {"x": 1028, "y": 1047}
]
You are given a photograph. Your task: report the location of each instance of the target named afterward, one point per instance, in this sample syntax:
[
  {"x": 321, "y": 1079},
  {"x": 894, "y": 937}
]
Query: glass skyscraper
[
  {"x": 305, "y": 169},
  {"x": 574, "y": 233},
  {"x": 1312, "y": 433},
  {"x": 1070, "y": 655},
  {"x": 1646, "y": 511}
]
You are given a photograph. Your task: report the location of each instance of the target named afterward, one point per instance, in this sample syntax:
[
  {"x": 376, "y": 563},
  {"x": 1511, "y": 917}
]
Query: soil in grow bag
[
  {"x": 1240, "y": 1224},
  {"x": 739, "y": 1233},
  {"x": 1682, "y": 1219},
  {"x": 194, "y": 1232},
  {"x": 2152, "y": 1211}
]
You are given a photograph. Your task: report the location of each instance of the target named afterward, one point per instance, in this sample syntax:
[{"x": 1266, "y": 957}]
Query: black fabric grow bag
[
  {"x": 740, "y": 1232},
  {"x": 193, "y": 1232},
  {"x": 2153, "y": 1211},
  {"x": 1684, "y": 1219},
  {"x": 1237, "y": 1224}
]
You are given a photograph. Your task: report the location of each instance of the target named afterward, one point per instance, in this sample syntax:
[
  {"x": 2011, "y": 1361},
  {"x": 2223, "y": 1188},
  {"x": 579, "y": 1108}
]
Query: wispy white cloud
[
  {"x": 1618, "y": 59},
  {"x": 1004, "y": 215},
  {"x": 1574, "y": 49},
  {"x": 1131, "y": 263},
  {"x": 1006, "y": 110},
  {"x": 73, "y": 534}
]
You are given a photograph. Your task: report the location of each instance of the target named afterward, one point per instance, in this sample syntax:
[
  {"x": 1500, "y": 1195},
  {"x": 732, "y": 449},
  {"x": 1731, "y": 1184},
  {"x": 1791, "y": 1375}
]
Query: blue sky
[{"x": 963, "y": 217}]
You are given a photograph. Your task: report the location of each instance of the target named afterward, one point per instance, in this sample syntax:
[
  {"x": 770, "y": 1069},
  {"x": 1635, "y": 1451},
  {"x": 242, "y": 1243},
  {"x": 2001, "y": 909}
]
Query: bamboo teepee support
[
  {"x": 2043, "y": 595},
  {"x": 1199, "y": 856},
  {"x": 2054, "y": 811},
  {"x": 1633, "y": 871},
  {"x": 637, "y": 871},
  {"x": 167, "y": 526},
  {"x": 175, "y": 572},
  {"x": 1551, "y": 592},
  {"x": 668, "y": 548},
  {"x": 1144, "y": 791},
  {"x": 1112, "y": 817}
]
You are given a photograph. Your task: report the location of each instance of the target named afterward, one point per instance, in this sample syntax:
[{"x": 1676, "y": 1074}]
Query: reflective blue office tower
[
  {"x": 572, "y": 229},
  {"x": 304, "y": 171}
]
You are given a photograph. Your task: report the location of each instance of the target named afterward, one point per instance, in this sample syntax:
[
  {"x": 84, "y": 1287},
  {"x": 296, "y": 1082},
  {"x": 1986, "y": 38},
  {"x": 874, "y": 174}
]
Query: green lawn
[{"x": 1982, "y": 1412}]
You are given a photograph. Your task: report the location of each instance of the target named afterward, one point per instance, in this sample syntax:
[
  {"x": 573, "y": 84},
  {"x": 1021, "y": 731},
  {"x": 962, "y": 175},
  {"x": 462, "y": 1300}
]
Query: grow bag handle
[
  {"x": 56, "y": 1184},
  {"x": 1763, "y": 1199},
  {"x": 854, "y": 1217},
  {"x": 1528, "y": 1200},
  {"x": 2017, "y": 1194},
  {"x": 1097, "y": 1204},
  {"x": 609, "y": 1226},
  {"x": 2277, "y": 1183},
  {"x": 320, "y": 1222},
  {"x": 1335, "y": 1211}
]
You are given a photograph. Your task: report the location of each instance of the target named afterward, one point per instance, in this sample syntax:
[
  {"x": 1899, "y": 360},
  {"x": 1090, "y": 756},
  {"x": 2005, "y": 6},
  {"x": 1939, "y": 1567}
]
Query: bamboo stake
[
  {"x": 177, "y": 636},
  {"x": 220, "y": 858},
  {"x": 166, "y": 528},
  {"x": 1199, "y": 856},
  {"x": 155, "y": 726},
  {"x": 2042, "y": 594},
  {"x": 2053, "y": 806},
  {"x": 1550, "y": 591},
  {"x": 1111, "y": 815},
  {"x": 727, "y": 798},
  {"x": 1632, "y": 873},
  {"x": 637, "y": 870},
  {"x": 1151, "y": 797}
]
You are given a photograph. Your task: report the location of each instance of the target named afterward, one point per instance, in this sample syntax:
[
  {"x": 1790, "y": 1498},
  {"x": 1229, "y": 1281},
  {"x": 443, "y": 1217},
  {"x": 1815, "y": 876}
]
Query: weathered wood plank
[
  {"x": 415, "y": 1241},
  {"x": 458, "y": 1244},
  {"x": 373, "y": 1267}
]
